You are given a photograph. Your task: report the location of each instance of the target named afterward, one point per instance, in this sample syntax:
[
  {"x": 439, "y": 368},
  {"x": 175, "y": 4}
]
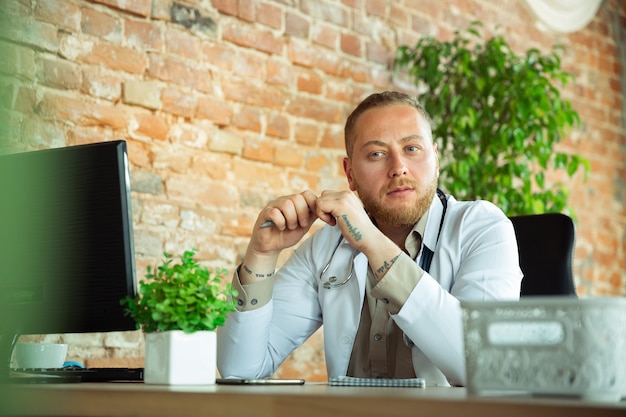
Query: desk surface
[{"x": 138, "y": 399}]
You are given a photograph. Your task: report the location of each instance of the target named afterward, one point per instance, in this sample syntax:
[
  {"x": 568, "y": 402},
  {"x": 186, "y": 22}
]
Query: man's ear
[{"x": 347, "y": 169}]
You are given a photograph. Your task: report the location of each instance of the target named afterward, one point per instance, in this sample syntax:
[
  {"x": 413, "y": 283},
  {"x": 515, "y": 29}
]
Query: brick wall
[{"x": 226, "y": 104}]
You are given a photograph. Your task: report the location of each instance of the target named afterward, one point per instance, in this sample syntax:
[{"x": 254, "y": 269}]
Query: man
[{"x": 385, "y": 275}]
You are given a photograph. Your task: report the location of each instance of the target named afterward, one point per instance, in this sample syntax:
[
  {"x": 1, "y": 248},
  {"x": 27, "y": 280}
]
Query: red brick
[
  {"x": 246, "y": 10},
  {"x": 329, "y": 63},
  {"x": 332, "y": 137},
  {"x": 326, "y": 35},
  {"x": 247, "y": 118},
  {"x": 37, "y": 134},
  {"x": 215, "y": 166},
  {"x": 262, "y": 175},
  {"x": 309, "y": 81},
  {"x": 306, "y": 133},
  {"x": 350, "y": 44},
  {"x": 228, "y": 7},
  {"x": 278, "y": 126},
  {"x": 144, "y": 35},
  {"x": 182, "y": 43},
  {"x": 178, "y": 102},
  {"x": 25, "y": 100},
  {"x": 299, "y": 52},
  {"x": 138, "y": 153},
  {"x": 214, "y": 109},
  {"x": 378, "y": 53},
  {"x": 249, "y": 64},
  {"x": 258, "y": 150},
  {"x": 269, "y": 15},
  {"x": 399, "y": 16},
  {"x": 279, "y": 71},
  {"x": 300, "y": 181},
  {"x": 138, "y": 7},
  {"x": 252, "y": 93},
  {"x": 116, "y": 58},
  {"x": 240, "y": 226},
  {"x": 100, "y": 24},
  {"x": 63, "y": 13},
  {"x": 376, "y": 7},
  {"x": 218, "y": 55},
  {"x": 315, "y": 109},
  {"x": 355, "y": 4},
  {"x": 41, "y": 35},
  {"x": 61, "y": 74},
  {"x": 357, "y": 72},
  {"x": 288, "y": 156},
  {"x": 85, "y": 135},
  {"x": 180, "y": 71},
  {"x": 201, "y": 192},
  {"x": 172, "y": 159},
  {"x": 251, "y": 37},
  {"x": 338, "y": 90},
  {"x": 148, "y": 124},
  {"x": 325, "y": 11},
  {"x": 296, "y": 25},
  {"x": 309, "y": 56},
  {"x": 318, "y": 162},
  {"x": 83, "y": 111},
  {"x": 100, "y": 84}
]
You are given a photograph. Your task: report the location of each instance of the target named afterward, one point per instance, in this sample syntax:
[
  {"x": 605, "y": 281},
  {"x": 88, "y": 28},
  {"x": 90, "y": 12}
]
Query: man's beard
[{"x": 399, "y": 217}]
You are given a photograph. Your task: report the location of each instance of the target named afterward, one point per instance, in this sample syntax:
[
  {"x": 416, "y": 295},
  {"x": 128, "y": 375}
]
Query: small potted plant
[{"x": 179, "y": 306}]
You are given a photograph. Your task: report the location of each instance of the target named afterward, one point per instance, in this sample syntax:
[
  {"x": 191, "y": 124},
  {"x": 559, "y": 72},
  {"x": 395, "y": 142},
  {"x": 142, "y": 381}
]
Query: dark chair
[{"x": 546, "y": 251}]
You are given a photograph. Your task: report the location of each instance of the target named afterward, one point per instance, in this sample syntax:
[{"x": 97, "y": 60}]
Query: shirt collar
[{"x": 414, "y": 240}]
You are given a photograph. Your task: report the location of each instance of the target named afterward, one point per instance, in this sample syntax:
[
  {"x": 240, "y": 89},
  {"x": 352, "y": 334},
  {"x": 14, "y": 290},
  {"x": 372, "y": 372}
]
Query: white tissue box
[{"x": 551, "y": 345}]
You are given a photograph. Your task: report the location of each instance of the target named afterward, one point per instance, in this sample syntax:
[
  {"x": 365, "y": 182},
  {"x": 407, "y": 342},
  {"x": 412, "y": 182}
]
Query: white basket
[{"x": 554, "y": 346}]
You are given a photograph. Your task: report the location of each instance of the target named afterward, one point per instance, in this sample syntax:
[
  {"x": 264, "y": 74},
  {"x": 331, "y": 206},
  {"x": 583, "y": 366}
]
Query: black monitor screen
[{"x": 66, "y": 242}]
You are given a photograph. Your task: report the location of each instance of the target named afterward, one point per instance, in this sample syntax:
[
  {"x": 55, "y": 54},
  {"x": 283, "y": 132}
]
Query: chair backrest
[{"x": 546, "y": 251}]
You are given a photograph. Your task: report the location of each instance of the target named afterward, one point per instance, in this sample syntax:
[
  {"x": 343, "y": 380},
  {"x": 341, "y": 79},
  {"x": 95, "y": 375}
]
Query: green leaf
[
  {"x": 181, "y": 296},
  {"x": 497, "y": 116}
]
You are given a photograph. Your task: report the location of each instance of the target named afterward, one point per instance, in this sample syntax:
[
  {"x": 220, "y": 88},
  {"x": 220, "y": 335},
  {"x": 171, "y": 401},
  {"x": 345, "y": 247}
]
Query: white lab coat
[{"x": 475, "y": 259}]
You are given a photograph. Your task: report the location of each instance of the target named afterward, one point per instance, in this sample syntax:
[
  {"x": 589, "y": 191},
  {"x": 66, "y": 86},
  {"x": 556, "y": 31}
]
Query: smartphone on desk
[{"x": 262, "y": 381}]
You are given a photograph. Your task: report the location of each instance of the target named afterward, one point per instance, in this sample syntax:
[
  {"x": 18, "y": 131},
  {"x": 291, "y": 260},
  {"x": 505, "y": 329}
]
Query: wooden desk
[{"x": 314, "y": 400}]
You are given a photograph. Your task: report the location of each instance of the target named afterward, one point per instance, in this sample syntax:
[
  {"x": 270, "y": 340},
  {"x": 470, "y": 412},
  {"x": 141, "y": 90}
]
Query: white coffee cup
[{"x": 40, "y": 355}]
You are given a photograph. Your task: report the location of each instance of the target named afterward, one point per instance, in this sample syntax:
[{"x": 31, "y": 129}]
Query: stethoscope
[{"x": 427, "y": 255}]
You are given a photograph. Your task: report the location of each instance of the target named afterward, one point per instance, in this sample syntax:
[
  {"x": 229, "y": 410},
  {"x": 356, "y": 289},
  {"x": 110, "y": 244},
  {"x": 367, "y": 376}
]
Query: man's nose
[{"x": 398, "y": 166}]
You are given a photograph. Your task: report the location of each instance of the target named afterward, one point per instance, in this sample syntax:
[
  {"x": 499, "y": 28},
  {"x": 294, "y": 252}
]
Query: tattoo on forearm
[
  {"x": 385, "y": 267},
  {"x": 353, "y": 231},
  {"x": 250, "y": 272}
]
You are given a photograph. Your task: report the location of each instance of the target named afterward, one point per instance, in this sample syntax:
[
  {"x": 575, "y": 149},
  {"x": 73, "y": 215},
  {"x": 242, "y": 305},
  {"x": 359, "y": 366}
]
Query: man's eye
[
  {"x": 412, "y": 149},
  {"x": 376, "y": 154}
]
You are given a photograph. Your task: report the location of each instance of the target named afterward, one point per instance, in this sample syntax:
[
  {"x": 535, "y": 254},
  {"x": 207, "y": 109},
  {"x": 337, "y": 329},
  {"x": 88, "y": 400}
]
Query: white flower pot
[{"x": 179, "y": 358}]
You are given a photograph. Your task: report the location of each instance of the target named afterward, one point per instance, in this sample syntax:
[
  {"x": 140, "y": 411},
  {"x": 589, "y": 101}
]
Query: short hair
[{"x": 386, "y": 98}]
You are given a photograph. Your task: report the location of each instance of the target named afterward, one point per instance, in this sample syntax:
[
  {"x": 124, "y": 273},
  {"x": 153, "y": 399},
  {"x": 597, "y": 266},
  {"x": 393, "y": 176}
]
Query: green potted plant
[
  {"x": 179, "y": 306},
  {"x": 497, "y": 117}
]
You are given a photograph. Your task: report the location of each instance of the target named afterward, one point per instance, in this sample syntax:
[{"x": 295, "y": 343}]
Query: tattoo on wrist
[
  {"x": 353, "y": 230},
  {"x": 387, "y": 265},
  {"x": 256, "y": 275}
]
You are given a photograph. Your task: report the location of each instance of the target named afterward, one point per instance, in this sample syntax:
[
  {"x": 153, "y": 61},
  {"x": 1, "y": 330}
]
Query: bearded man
[{"x": 385, "y": 275}]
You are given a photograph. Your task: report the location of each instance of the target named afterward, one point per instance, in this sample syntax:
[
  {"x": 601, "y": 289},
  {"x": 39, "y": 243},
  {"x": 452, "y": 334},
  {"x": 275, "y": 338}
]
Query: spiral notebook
[{"x": 348, "y": 381}]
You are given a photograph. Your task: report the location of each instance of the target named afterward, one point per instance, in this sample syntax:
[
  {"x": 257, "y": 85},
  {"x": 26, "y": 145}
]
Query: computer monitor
[{"x": 66, "y": 241}]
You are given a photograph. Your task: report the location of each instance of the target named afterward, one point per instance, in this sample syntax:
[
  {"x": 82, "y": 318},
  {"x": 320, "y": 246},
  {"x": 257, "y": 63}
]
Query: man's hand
[
  {"x": 344, "y": 209},
  {"x": 292, "y": 217}
]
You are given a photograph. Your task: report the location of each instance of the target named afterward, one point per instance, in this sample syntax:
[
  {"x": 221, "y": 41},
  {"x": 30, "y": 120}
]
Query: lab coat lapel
[
  {"x": 342, "y": 311},
  {"x": 432, "y": 225}
]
